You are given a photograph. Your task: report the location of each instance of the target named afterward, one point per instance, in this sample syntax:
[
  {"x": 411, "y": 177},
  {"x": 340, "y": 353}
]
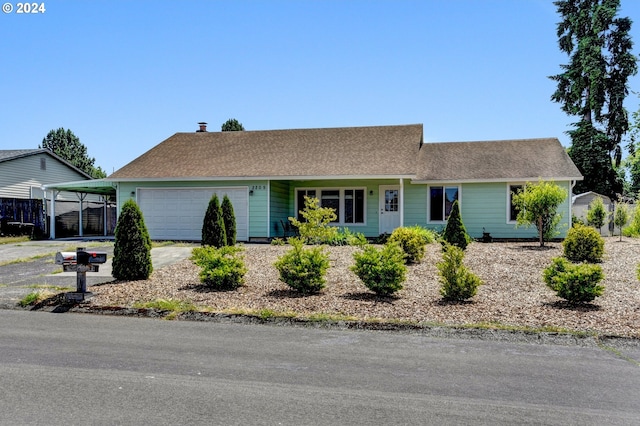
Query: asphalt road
[{"x": 86, "y": 369}]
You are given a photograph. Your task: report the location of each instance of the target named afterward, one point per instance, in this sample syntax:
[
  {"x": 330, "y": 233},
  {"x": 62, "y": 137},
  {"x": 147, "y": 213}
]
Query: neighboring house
[
  {"x": 581, "y": 204},
  {"x": 377, "y": 178},
  {"x": 23, "y": 172},
  {"x": 23, "y": 175}
]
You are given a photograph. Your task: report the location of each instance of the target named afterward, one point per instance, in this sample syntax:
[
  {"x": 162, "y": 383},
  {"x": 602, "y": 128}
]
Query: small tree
[
  {"x": 538, "y": 205},
  {"x": 213, "y": 230},
  {"x": 621, "y": 217},
  {"x": 315, "y": 228},
  {"x": 132, "y": 247},
  {"x": 229, "y": 219},
  {"x": 596, "y": 214},
  {"x": 455, "y": 233},
  {"x": 457, "y": 282}
]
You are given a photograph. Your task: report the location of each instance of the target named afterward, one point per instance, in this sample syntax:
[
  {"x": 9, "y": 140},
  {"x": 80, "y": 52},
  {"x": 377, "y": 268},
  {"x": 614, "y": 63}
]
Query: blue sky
[{"x": 125, "y": 75}]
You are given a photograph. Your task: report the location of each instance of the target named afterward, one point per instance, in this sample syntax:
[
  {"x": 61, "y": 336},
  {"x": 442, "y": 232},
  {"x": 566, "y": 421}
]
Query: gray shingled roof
[
  {"x": 393, "y": 151},
  {"x": 340, "y": 152},
  {"x": 517, "y": 160},
  {"x": 10, "y": 154}
]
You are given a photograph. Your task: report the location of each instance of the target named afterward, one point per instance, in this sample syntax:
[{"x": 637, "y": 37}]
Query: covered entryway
[{"x": 177, "y": 213}]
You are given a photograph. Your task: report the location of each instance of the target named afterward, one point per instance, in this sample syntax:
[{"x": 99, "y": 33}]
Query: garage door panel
[{"x": 177, "y": 214}]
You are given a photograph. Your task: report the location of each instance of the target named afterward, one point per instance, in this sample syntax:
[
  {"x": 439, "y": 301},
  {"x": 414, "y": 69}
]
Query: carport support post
[{"x": 81, "y": 274}]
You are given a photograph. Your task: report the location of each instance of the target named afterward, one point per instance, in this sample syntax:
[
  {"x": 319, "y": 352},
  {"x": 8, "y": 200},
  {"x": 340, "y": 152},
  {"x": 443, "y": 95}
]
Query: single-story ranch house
[{"x": 376, "y": 178}]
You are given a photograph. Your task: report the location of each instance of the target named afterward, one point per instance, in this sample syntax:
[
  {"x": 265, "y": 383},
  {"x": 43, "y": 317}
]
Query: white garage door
[{"x": 177, "y": 214}]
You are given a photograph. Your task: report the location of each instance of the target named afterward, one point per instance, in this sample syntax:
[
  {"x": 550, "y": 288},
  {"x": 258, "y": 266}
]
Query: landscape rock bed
[{"x": 513, "y": 293}]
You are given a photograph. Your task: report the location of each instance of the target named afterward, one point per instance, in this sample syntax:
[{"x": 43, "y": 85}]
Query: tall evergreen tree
[
  {"x": 132, "y": 247},
  {"x": 66, "y": 145},
  {"x": 593, "y": 86},
  {"x": 229, "y": 219},
  {"x": 232, "y": 125},
  {"x": 213, "y": 230}
]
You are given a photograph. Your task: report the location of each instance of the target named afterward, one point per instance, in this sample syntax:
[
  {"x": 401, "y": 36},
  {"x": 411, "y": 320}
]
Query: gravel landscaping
[{"x": 513, "y": 293}]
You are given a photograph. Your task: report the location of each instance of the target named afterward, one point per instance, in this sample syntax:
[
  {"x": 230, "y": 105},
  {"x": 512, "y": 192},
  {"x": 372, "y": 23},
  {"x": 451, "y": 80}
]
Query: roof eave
[
  {"x": 496, "y": 180},
  {"x": 247, "y": 178}
]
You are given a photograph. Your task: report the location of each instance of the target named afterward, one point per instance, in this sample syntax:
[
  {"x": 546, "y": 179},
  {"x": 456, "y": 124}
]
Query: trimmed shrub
[
  {"x": 583, "y": 244},
  {"x": 455, "y": 232},
  {"x": 382, "y": 271},
  {"x": 213, "y": 230},
  {"x": 457, "y": 282},
  {"x": 576, "y": 283},
  {"x": 412, "y": 240},
  {"x": 303, "y": 269},
  {"x": 229, "y": 219},
  {"x": 132, "y": 247},
  {"x": 222, "y": 268}
]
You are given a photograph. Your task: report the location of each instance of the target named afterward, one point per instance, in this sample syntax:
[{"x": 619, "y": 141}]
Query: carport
[{"x": 106, "y": 189}]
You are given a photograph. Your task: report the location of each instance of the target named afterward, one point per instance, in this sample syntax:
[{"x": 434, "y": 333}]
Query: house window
[
  {"x": 441, "y": 199},
  {"x": 300, "y": 200},
  {"x": 348, "y": 203},
  {"x": 43, "y": 163},
  {"x": 353, "y": 206},
  {"x": 512, "y": 208}
]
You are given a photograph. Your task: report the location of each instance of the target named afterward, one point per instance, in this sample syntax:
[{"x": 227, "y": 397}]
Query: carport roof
[{"x": 96, "y": 186}]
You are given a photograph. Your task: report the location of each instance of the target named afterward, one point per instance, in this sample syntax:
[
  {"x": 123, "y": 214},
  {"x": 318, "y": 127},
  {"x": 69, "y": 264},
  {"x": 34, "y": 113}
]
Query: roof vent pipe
[{"x": 203, "y": 127}]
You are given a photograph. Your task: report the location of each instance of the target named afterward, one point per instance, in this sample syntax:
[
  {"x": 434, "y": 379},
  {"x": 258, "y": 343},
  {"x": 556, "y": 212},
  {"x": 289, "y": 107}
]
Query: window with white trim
[
  {"x": 441, "y": 199},
  {"x": 512, "y": 209},
  {"x": 348, "y": 203}
]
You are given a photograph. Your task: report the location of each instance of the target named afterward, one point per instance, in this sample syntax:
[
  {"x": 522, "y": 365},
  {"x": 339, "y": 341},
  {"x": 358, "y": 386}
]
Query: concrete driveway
[{"x": 30, "y": 265}]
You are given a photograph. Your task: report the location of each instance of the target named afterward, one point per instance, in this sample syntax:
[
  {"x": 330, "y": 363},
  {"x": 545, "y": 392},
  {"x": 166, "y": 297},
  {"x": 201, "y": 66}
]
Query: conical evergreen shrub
[
  {"x": 213, "y": 230},
  {"x": 132, "y": 247},
  {"x": 229, "y": 219},
  {"x": 455, "y": 232}
]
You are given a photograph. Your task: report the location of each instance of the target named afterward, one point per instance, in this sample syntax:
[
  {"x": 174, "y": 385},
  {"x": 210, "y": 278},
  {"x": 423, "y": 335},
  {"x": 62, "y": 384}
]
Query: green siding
[
  {"x": 280, "y": 207},
  {"x": 483, "y": 205}
]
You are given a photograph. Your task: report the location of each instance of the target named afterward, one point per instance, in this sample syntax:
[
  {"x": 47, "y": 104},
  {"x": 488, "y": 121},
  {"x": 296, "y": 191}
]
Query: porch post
[
  {"x": 401, "y": 202},
  {"x": 52, "y": 215},
  {"x": 81, "y": 196}
]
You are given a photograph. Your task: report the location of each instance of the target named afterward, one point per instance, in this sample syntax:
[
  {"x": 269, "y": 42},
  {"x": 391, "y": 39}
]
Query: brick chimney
[{"x": 203, "y": 127}]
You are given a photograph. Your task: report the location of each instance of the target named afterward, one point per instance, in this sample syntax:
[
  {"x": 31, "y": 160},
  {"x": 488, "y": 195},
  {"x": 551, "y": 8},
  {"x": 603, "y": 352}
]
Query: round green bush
[
  {"x": 583, "y": 244},
  {"x": 303, "y": 269},
  {"x": 575, "y": 283},
  {"x": 412, "y": 240},
  {"x": 222, "y": 269},
  {"x": 382, "y": 271}
]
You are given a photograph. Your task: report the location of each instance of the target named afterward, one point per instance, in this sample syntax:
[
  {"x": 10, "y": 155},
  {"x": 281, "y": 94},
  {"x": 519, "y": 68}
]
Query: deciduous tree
[
  {"x": 538, "y": 205},
  {"x": 66, "y": 145}
]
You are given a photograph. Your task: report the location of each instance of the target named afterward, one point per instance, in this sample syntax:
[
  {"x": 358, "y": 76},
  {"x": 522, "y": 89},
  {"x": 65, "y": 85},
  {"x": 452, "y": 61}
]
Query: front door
[{"x": 389, "y": 202}]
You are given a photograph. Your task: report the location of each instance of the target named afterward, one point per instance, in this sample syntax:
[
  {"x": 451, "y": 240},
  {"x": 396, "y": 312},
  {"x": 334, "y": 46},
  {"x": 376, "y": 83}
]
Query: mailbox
[
  {"x": 81, "y": 261},
  {"x": 88, "y": 257}
]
